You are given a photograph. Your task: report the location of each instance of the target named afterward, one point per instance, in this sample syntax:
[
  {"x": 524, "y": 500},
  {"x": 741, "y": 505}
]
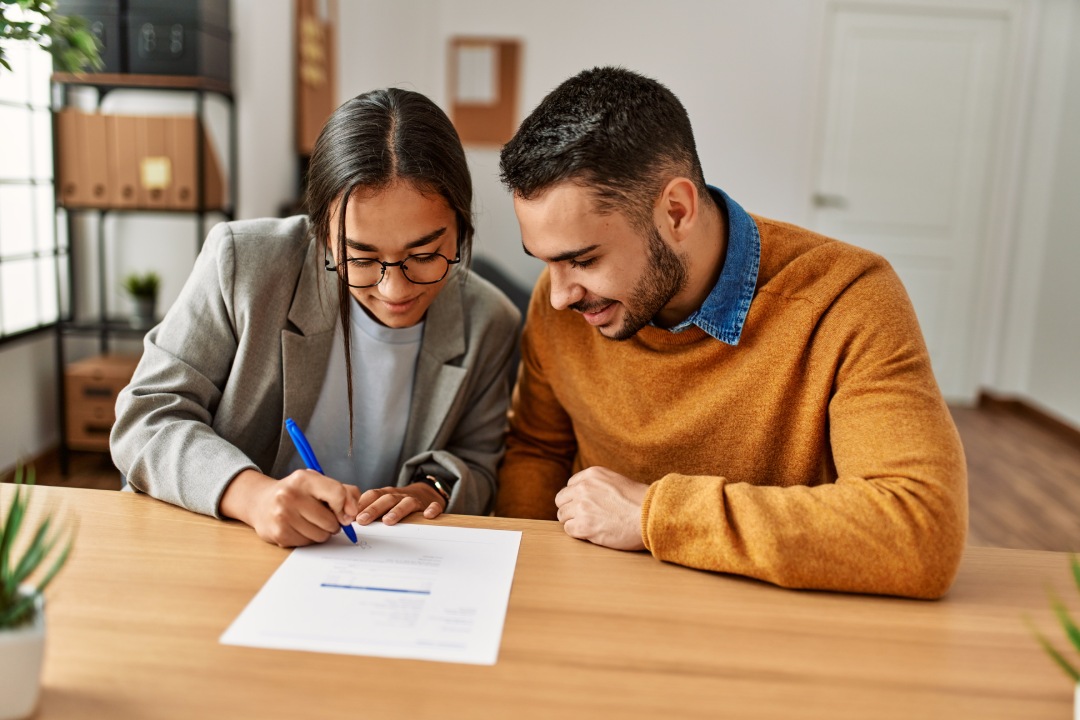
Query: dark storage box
[
  {"x": 174, "y": 37},
  {"x": 106, "y": 22},
  {"x": 159, "y": 37}
]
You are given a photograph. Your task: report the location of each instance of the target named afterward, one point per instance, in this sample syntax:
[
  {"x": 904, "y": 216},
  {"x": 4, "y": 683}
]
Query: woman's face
[{"x": 390, "y": 226}]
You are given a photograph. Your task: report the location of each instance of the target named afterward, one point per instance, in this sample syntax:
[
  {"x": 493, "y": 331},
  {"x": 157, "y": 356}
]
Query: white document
[{"x": 425, "y": 592}]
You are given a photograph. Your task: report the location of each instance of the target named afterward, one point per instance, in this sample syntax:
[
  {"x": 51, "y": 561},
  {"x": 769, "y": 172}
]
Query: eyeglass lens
[{"x": 422, "y": 269}]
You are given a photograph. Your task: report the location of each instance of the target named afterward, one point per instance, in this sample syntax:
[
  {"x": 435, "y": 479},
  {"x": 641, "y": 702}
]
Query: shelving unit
[{"x": 105, "y": 326}]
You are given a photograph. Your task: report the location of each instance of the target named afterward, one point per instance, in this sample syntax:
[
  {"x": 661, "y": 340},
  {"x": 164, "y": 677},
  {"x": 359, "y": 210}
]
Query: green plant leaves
[
  {"x": 1054, "y": 654},
  {"x": 15, "y": 571},
  {"x": 11, "y": 526},
  {"x": 1066, "y": 621},
  {"x": 1072, "y": 632},
  {"x": 67, "y": 38},
  {"x": 144, "y": 285}
]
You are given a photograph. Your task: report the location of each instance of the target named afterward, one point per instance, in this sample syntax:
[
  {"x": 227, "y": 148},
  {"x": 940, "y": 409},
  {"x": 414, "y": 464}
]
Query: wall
[
  {"x": 1054, "y": 380},
  {"x": 28, "y": 417},
  {"x": 747, "y": 73},
  {"x": 262, "y": 72},
  {"x": 753, "y": 128}
]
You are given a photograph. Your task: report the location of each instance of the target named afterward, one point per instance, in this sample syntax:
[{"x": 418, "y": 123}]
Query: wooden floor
[{"x": 1024, "y": 480}]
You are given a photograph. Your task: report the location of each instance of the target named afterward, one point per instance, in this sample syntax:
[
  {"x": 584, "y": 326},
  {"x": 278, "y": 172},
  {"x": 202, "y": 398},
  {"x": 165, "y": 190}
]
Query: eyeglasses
[{"x": 421, "y": 269}]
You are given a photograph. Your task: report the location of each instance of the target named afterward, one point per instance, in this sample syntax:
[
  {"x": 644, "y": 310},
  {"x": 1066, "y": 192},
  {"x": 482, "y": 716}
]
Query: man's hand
[
  {"x": 300, "y": 509},
  {"x": 603, "y": 507}
]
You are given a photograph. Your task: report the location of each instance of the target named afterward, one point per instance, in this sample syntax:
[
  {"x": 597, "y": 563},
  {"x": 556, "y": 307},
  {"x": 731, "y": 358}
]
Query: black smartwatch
[{"x": 435, "y": 476}]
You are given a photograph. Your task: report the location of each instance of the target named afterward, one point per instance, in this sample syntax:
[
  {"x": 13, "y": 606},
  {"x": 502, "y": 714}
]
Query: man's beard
[{"x": 663, "y": 279}]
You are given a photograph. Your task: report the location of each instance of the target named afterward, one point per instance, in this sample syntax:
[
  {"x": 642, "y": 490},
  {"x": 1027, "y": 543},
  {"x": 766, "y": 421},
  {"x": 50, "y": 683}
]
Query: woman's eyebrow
[{"x": 419, "y": 242}]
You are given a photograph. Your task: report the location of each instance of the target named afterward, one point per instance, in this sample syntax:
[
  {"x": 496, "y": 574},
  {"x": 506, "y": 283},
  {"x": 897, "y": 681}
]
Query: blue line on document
[{"x": 376, "y": 589}]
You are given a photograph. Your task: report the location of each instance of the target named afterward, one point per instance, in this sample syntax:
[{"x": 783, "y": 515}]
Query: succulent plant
[
  {"x": 25, "y": 573},
  {"x": 1072, "y": 632}
]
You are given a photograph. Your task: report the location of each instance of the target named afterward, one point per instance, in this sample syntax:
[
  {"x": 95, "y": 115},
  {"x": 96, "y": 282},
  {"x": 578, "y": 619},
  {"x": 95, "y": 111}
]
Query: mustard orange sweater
[{"x": 817, "y": 453}]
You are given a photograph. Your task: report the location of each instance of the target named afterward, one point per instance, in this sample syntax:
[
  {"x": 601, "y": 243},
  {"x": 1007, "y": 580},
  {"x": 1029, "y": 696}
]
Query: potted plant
[
  {"x": 22, "y": 618},
  {"x": 1071, "y": 631},
  {"x": 68, "y": 38},
  {"x": 143, "y": 289}
]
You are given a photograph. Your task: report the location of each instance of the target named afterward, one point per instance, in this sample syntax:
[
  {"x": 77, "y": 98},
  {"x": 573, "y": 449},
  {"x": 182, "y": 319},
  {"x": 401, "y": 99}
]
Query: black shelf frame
[{"x": 104, "y": 326}]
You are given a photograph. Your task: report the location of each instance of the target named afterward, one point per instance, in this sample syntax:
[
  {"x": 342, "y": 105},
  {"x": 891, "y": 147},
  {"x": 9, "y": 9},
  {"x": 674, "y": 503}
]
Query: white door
[{"x": 911, "y": 102}]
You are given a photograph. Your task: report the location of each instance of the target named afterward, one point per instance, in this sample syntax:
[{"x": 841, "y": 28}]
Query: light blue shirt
[
  {"x": 383, "y": 371},
  {"x": 724, "y": 311}
]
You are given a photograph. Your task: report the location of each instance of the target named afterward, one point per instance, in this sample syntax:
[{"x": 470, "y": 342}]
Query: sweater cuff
[
  {"x": 677, "y": 515},
  {"x": 645, "y": 507}
]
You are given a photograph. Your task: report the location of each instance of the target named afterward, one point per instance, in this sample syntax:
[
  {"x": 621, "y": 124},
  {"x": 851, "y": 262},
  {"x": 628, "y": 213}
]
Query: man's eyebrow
[
  {"x": 562, "y": 257},
  {"x": 419, "y": 242}
]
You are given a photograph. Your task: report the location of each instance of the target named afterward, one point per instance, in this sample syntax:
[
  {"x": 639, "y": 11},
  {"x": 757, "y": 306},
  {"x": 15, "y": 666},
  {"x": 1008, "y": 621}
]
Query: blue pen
[{"x": 308, "y": 456}]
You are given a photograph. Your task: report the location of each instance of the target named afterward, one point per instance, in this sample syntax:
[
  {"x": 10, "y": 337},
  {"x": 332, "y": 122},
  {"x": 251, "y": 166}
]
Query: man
[{"x": 729, "y": 392}]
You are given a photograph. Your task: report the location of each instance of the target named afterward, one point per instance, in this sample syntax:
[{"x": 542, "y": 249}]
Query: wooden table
[{"x": 134, "y": 620}]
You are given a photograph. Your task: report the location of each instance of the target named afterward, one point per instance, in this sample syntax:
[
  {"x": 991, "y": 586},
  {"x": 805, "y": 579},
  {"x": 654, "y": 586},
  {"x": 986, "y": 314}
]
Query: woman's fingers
[
  {"x": 394, "y": 504},
  {"x": 405, "y": 506}
]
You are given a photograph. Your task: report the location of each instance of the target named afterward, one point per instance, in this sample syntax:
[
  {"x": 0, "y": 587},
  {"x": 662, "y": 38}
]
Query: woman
[{"x": 360, "y": 322}]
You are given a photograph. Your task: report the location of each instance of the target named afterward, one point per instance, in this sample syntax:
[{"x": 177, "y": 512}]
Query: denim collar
[{"x": 724, "y": 311}]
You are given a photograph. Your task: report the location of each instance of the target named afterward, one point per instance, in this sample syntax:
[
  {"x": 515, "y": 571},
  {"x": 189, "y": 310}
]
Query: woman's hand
[
  {"x": 302, "y": 508},
  {"x": 395, "y": 503}
]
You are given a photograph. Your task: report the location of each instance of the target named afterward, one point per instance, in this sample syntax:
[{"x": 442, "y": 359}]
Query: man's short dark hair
[{"x": 621, "y": 134}]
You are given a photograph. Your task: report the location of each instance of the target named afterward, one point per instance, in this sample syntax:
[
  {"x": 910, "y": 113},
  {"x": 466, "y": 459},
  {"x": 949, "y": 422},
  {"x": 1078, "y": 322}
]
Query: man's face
[{"x": 600, "y": 265}]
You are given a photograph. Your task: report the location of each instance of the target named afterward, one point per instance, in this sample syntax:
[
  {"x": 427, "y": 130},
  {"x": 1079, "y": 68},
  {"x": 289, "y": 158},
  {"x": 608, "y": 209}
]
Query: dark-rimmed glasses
[{"x": 420, "y": 269}]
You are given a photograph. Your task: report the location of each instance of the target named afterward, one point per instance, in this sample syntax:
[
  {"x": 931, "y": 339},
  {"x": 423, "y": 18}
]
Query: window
[{"x": 31, "y": 258}]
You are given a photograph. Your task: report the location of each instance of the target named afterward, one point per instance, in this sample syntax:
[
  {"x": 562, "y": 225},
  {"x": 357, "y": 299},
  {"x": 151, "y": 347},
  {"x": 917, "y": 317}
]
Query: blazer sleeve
[{"x": 163, "y": 440}]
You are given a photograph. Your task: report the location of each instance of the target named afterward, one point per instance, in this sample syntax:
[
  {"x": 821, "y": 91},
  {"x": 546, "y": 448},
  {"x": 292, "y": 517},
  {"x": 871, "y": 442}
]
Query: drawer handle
[
  {"x": 97, "y": 392},
  {"x": 95, "y": 429}
]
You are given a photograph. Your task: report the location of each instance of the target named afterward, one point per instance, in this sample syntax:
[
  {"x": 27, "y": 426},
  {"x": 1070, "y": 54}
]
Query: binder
[
  {"x": 94, "y": 158},
  {"x": 182, "y": 142},
  {"x": 71, "y": 187},
  {"x": 181, "y": 131},
  {"x": 123, "y": 167},
  {"x": 83, "y": 165},
  {"x": 155, "y": 166},
  {"x": 213, "y": 180}
]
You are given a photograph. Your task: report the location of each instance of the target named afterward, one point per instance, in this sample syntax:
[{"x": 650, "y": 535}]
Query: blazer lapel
[
  {"x": 305, "y": 348},
  {"x": 437, "y": 382}
]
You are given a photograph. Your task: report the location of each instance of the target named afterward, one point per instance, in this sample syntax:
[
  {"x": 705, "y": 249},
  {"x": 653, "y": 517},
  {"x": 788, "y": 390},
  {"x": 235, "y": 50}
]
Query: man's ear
[{"x": 678, "y": 208}]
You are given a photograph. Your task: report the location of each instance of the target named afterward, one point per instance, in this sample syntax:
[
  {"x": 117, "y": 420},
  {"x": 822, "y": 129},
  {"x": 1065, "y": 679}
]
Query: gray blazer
[{"x": 246, "y": 345}]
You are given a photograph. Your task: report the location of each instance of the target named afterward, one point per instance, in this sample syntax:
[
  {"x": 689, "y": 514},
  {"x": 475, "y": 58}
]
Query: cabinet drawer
[
  {"x": 91, "y": 387},
  {"x": 88, "y": 426},
  {"x": 83, "y": 390}
]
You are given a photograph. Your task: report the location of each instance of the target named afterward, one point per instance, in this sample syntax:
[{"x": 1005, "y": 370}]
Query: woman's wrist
[
  {"x": 438, "y": 485},
  {"x": 241, "y": 495}
]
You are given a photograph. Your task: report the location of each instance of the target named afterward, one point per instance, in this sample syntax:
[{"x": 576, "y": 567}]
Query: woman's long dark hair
[{"x": 370, "y": 142}]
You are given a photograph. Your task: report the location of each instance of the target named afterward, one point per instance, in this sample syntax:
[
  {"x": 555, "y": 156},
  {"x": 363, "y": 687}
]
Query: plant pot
[
  {"x": 22, "y": 650},
  {"x": 1076, "y": 702},
  {"x": 144, "y": 309}
]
